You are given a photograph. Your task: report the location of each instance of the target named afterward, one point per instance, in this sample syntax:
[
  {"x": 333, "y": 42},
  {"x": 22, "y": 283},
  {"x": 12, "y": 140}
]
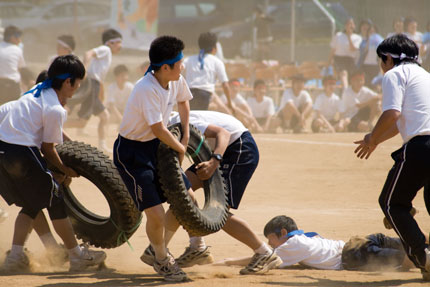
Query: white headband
[
  {"x": 402, "y": 56},
  {"x": 113, "y": 40},
  {"x": 64, "y": 44}
]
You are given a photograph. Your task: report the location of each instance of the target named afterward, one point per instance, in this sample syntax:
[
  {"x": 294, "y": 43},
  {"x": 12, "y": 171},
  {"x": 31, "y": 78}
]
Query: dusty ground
[{"x": 313, "y": 178}]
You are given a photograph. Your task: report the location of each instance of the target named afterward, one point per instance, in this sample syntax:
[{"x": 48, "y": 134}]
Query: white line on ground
[{"x": 316, "y": 142}]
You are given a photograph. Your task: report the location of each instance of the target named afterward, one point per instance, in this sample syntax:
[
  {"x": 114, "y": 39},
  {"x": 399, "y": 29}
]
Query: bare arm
[
  {"x": 163, "y": 134},
  {"x": 222, "y": 137},
  {"x": 326, "y": 122},
  {"x": 184, "y": 114},
  {"x": 384, "y": 129},
  {"x": 88, "y": 56},
  {"x": 226, "y": 90},
  {"x": 51, "y": 155},
  {"x": 240, "y": 261}
]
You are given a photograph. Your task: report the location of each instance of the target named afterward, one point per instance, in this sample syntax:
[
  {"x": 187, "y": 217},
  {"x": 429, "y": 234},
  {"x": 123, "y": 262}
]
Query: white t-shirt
[
  {"x": 302, "y": 99},
  {"x": 202, "y": 119},
  {"x": 213, "y": 70},
  {"x": 117, "y": 96},
  {"x": 417, "y": 37},
  {"x": 340, "y": 44},
  {"x": 261, "y": 109},
  {"x": 238, "y": 100},
  {"x": 350, "y": 99},
  {"x": 100, "y": 64},
  {"x": 371, "y": 57},
  {"x": 11, "y": 59},
  {"x": 406, "y": 88},
  {"x": 148, "y": 104},
  {"x": 327, "y": 106},
  {"x": 316, "y": 252},
  {"x": 29, "y": 121}
]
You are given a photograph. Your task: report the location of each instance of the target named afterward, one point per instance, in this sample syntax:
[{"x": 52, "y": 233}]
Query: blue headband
[
  {"x": 202, "y": 54},
  {"x": 46, "y": 85},
  {"x": 168, "y": 62},
  {"x": 298, "y": 232}
]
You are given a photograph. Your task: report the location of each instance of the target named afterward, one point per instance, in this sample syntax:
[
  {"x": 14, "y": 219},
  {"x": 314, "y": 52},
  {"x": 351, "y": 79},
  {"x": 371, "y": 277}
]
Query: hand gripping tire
[
  {"x": 100, "y": 231},
  {"x": 213, "y": 215}
]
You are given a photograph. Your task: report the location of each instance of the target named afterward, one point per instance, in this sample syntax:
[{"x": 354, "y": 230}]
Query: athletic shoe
[
  {"x": 426, "y": 271},
  {"x": 261, "y": 263},
  {"x": 88, "y": 258},
  {"x": 3, "y": 215},
  {"x": 16, "y": 263},
  {"x": 192, "y": 257},
  {"x": 148, "y": 256},
  {"x": 169, "y": 269}
]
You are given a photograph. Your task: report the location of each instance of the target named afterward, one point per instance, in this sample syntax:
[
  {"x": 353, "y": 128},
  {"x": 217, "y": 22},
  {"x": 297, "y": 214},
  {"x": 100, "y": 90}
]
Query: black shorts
[
  {"x": 238, "y": 165},
  {"x": 136, "y": 162},
  {"x": 341, "y": 63},
  {"x": 9, "y": 90},
  {"x": 200, "y": 100},
  {"x": 362, "y": 115},
  {"x": 25, "y": 179},
  {"x": 91, "y": 103}
]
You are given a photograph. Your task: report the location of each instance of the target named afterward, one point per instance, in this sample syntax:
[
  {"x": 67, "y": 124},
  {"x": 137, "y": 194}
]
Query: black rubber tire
[
  {"x": 196, "y": 221},
  {"x": 95, "y": 166},
  {"x": 427, "y": 197}
]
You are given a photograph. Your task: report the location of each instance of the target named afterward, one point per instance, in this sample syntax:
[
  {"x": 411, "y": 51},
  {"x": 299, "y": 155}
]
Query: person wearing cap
[
  {"x": 202, "y": 72},
  {"x": 98, "y": 61},
  {"x": 406, "y": 110},
  {"x": 25, "y": 179},
  {"x": 360, "y": 105},
  {"x": 11, "y": 59},
  {"x": 143, "y": 127},
  {"x": 326, "y": 108},
  {"x": 296, "y": 105}
]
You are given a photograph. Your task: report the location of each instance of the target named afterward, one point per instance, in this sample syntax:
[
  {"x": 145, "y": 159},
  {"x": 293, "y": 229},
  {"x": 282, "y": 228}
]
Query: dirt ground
[{"x": 315, "y": 179}]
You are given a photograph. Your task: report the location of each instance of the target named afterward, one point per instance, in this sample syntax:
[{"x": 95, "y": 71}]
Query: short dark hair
[
  {"x": 65, "y": 64},
  {"x": 397, "y": 45},
  {"x": 42, "y": 76},
  {"x": 207, "y": 41},
  {"x": 110, "y": 34},
  {"x": 119, "y": 69},
  {"x": 259, "y": 82},
  {"x": 328, "y": 78},
  {"x": 69, "y": 40},
  {"x": 356, "y": 72},
  {"x": 11, "y": 31},
  {"x": 164, "y": 48},
  {"x": 280, "y": 222}
]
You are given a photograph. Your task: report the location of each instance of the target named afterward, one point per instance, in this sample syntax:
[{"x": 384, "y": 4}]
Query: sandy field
[{"x": 314, "y": 178}]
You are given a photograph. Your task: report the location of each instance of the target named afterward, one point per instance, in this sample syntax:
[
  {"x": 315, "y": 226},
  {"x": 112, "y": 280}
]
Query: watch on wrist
[{"x": 217, "y": 156}]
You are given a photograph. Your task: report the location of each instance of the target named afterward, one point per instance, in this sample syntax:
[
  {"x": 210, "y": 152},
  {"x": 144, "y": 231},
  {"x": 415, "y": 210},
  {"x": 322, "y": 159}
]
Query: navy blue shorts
[
  {"x": 136, "y": 162},
  {"x": 25, "y": 179},
  {"x": 238, "y": 165},
  {"x": 91, "y": 105}
]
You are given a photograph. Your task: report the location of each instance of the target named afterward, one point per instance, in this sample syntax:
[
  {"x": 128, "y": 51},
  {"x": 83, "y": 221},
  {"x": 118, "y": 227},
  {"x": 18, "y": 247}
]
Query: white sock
[
  {"x": 16, "y": 250},
  {"x": 49, "y": 241},
  {"x": 75, "y": 252},
  {"x": 263, "y": 249},
  {"x": 197, "y": 243}
]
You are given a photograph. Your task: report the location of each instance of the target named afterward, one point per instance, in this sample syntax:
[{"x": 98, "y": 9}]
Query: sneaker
[
  {"x": 57, "y": 256},
  {"x": 261, "y": 263},
  {"x": 88, "y": 258},
  {"x": 169, "y": 269},
  {"x": 193, "y": 256},
  {"x": 427, "y": 266},
  {"x": 148, "y": 256},
  {"x": 3, "y": 215},
  {"x": 16, "y": 263}
]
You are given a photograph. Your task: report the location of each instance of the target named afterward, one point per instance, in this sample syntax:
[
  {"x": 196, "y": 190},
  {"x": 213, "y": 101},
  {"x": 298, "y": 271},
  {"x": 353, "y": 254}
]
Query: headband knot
[{"x": 45, "y": 85}]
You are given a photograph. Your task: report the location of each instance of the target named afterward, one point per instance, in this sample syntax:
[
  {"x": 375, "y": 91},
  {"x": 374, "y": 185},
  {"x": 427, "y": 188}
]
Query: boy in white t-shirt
[
  {"x": 236, "y": 154},
  {"x": 143, "y": 127},
  {"x": 98, "y": 61},
  {"x": 202, "y": 71},
  {"x": 296, "y": 105},
  {"x": 25, "y": 179},
  {"x": 262, "y": 106},
  {"x": 118, "y": 93},
  {"x": 243, "y": 111},
  {"x": 360, "y": 105},
  {"x": 327, "y": 107},
  {"x": 406, "y": 110},
  {"x": 371, "y": 253},
  {"x": 11, "y": 59}
]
